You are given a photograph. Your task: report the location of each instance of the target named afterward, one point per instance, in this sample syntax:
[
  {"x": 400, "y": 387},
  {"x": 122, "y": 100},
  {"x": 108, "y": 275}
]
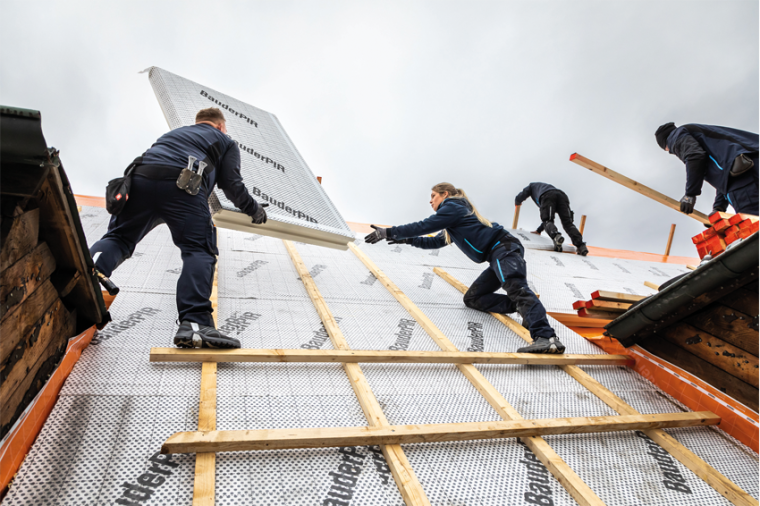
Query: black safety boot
[
  {"x": 582, "y": 250},
  {"x": 558, "y": 240},
  {"x": 194, "y": 335},
  {"x": 544, "y": 345}
]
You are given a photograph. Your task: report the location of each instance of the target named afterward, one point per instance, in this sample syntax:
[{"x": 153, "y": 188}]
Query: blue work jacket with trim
[
  {"x": 207, "y": 144},
  {"x": 455, "y": 215},
  {"x": 709, "y": 152},
  {"x": 534, "y": 191}
]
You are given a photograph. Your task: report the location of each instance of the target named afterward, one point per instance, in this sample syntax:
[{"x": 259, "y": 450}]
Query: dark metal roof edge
[
  {"x": 20, "y": 112},
  {"x": 737, "y": 259}
]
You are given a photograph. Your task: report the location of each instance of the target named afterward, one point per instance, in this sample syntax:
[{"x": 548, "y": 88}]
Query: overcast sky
[{"x": 384, "y": 99}]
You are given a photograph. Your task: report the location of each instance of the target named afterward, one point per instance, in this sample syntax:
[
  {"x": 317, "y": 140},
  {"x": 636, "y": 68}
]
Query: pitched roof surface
[{"x": 117, "y": 408}]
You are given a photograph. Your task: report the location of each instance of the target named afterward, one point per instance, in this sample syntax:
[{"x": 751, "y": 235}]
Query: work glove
[
  {"x": 399, "y": 241},
  {"x": 687, "y": 204},
  {"x": 260, "y": 216},
  {"x": 378, "y": 235}
]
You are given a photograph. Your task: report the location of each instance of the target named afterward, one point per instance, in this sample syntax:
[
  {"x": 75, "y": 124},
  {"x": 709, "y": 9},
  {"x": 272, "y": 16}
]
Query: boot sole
[
  {"x": 205, "y": 342},
  {"x": 549, "y": 350}
]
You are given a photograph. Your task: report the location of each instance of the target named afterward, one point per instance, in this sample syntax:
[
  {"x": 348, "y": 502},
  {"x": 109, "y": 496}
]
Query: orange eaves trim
[
  {"x": 20, "y": 440},
  {"x": 86, "y": 200},
  {"x": 737, "y": 420},
  {"x": 573, "y": 320},
  {"x": 640, "y": 255}
]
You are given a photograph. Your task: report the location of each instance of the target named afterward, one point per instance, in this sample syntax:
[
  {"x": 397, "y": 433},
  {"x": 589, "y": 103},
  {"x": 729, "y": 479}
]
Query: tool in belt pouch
[
  {"x": 742, "y": 164},
  {"x": 117, "y": 191},
  {"x": 191, "y": 181}
]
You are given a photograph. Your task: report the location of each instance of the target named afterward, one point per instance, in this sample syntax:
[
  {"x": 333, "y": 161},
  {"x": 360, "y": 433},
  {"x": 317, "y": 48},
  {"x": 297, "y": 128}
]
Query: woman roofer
[{"x": 482, "y": 241}]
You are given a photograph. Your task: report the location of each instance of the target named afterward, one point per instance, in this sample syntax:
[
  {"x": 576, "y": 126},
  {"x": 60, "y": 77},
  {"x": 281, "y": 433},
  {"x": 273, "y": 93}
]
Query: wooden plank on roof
[
  {"x": 573, "y": 320},
  {"x": 285, "y": 439},
  {"x": 707, "y": 473},
  {"x": 575, "y": 486},
  {"x": 670, "y": 239},
  {"x": 377, "y": 356},
  {"x": 204, "y": 488},
  {"x": 634, "y": 185},
  {"x": 204, "y": 485},
  {"x": 401, "y": 469},
  {"x": 603, "y": 305},
  {"x": 616, "y": 296},
  {"x": 600, "y": 315}
]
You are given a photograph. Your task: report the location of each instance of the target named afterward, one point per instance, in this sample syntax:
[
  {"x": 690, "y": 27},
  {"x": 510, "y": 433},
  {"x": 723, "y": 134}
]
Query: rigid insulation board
[
  {"x": 272, "y": 168},
  {"x": 117, "y": 408}
]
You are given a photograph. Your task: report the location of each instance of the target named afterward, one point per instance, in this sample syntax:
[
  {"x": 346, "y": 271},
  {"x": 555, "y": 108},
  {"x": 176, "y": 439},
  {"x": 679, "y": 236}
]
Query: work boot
[
  {"x": 558, "y": 240},
  {"x": 544, "y": 345},
  {"x": 194, "y": 335},
  {"x": 582, "y": 250}
]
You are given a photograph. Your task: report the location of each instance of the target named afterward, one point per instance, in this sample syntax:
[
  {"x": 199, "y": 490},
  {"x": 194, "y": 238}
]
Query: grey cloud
[{"x": 385, "y": 99}]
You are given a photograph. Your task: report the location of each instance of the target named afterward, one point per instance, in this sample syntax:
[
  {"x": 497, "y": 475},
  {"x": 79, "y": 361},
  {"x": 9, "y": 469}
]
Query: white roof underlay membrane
[{"x": 117, "y": 408}]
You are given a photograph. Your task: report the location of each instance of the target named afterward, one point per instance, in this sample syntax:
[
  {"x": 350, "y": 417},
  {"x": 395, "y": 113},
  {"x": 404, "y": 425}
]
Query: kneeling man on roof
[
  {"x": 551, "y": 202},
  {"x": 163, "y": 191}
]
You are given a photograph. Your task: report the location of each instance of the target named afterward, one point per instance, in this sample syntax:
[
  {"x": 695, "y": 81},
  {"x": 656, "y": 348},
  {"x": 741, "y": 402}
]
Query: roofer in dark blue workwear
[
  {"x": 724, "y": 157},
  {"x": 552, "y": 201},
  {"x": 459, "y": 222},
  {"x": 155, "y": 198}
]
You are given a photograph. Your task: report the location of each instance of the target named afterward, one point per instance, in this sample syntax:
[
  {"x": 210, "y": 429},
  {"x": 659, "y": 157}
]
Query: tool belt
[
  {"x": 157, "y": 171},
  {"x": 188, "y": 179}
]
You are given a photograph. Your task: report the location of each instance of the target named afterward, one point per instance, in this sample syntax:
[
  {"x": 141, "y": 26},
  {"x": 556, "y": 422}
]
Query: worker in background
[
  {"x": 724, "y": 157},
  {"x": 457, "y": 221},
  {"x": 552, "y": 201},
  {"x": 155, "y": 198}
]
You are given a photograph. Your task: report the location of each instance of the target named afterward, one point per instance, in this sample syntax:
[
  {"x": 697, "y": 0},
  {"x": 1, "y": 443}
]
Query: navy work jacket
[
  {"x": 534, "y": 191},
  {"x": 709, "y": 153},
  {"x": 209, "y": 145},
  {"x": 455, "y": 215}
]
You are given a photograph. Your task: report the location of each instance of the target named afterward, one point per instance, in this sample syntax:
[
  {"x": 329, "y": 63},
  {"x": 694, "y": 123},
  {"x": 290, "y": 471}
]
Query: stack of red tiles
[{"x": 725, "y": 229}]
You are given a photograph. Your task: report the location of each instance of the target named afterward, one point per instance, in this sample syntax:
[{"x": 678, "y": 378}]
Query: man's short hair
[{"x": 212, "y": 114}]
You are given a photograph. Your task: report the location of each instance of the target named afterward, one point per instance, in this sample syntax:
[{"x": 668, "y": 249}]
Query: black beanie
[{"x": 663, "y": 132}]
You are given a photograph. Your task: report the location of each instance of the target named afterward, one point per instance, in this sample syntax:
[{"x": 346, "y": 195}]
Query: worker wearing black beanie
[
  {"x": 662, "y": 134},
  {"x": 724, "y": 157}
]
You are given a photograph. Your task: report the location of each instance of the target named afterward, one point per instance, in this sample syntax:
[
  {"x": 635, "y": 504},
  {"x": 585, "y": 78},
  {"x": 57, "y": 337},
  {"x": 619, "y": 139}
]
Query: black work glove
[
  {"x": 378, "y": 235},
  {"x": 260, "y": 216},
  {"x": 400, "y": 241},
  {"x": 687, "y": 204}
]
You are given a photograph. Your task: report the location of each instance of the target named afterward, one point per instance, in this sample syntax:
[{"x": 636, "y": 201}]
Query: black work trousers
[
  {"x": 508, "y": 271},
  {"x": 151, "y": 203},
  {"x": 556, "y": 202}
]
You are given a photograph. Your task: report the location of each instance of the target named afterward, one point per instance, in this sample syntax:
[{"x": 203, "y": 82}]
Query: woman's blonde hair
[{"x": 458, "y": 193}]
